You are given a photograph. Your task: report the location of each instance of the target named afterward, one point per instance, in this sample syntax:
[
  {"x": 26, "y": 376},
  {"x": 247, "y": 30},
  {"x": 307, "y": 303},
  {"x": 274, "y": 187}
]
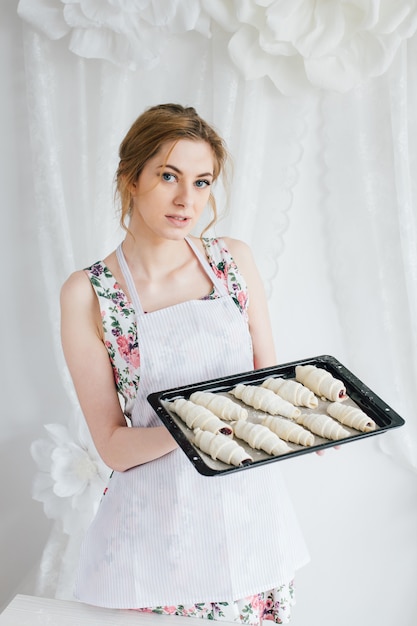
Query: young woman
[{"x": 168, "y": 309}]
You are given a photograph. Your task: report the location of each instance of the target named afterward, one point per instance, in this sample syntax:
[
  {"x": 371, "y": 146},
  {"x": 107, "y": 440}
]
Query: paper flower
[
  {"x": 71, "y": 477},
  {"x": 132, "y": 33},
  {"x": 298, "y": 44}
]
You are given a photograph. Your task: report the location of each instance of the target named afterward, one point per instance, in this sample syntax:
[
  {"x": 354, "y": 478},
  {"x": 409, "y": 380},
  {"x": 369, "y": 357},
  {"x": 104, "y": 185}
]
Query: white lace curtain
[{"x": 258, "y": 83}]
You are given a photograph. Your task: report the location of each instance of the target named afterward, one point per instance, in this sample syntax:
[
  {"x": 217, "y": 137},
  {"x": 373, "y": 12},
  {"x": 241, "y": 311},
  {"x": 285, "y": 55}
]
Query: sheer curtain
[
  {"x": 80, "y": 106},
  {"x": 369, "y": 203}
]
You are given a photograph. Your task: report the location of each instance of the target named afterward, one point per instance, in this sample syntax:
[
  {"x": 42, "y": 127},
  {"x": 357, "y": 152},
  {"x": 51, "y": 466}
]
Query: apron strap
[
  {"x": 129, "y": 280},
  {"x": 218, "y": 284}
]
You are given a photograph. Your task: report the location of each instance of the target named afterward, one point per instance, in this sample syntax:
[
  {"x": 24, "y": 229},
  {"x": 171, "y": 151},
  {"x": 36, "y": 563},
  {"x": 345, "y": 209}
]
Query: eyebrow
[{"x": 172, "y": 167}]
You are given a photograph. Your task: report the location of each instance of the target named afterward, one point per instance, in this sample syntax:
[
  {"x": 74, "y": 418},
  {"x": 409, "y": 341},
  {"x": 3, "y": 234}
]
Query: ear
[{"x": 133, "y": 187}]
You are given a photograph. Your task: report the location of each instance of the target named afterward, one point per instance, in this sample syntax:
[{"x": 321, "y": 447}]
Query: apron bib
[{"x": 164, "y": 534}]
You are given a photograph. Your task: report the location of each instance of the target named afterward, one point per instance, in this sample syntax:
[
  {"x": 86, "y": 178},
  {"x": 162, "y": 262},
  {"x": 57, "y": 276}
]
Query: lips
[{"x": 178, "y": 220}]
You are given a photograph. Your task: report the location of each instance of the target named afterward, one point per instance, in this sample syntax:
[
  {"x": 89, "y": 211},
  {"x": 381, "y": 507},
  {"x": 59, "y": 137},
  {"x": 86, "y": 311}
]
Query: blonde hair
[{"x": 156, "y": 126}]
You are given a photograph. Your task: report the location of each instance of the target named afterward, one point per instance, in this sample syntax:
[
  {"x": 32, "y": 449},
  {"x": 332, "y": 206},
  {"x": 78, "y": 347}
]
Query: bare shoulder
[
  {"x": 236, "y": 245},
  {"x": 241, "y": 253},
  {"x": 78, "y": 299},
  {"x": 77, "y": 286},
  {"x": 80, "y": 311}
]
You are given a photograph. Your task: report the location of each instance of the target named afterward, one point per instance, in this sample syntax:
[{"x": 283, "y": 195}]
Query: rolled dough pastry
[
  {"x": 321, "y": 382},
  {"x": 221, "y": 447},
  {"x": 196, "y": 416},
  {"x": 220, "y": 405},
  {"x": 265, "y": 400},
  {"x": 260, "y": 438},
  {"x": 323, "y": 425},
  {"x": 292, "y": 391},
  {"x": 289, "y": 430},
  {"x": 351, "y": 416}
]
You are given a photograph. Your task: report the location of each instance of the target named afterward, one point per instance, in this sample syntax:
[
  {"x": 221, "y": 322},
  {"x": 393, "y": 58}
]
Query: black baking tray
[{"x": 359, "y": 394}]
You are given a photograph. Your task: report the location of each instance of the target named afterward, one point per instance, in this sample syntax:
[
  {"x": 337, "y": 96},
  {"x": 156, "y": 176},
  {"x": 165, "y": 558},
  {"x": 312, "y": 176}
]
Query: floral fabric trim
[
  {"x": 225, "y": 268},
  {"x": 120, "y": 330},
  {"x": 119, "y": 317},
  {"x": 273, "y": 605}
]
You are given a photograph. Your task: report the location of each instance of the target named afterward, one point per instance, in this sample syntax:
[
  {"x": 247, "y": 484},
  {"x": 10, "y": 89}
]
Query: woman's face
[{"x": 173, "y": 189}]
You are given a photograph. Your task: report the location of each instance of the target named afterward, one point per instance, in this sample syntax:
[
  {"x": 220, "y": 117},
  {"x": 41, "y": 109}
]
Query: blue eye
[
  {"x": 168, "y": 177},
  {"x": 202, "y": 183}
]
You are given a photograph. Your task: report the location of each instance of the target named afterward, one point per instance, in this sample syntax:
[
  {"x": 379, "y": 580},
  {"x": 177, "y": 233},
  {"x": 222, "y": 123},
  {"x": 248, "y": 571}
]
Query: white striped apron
[{"x": 164, "y": 534}]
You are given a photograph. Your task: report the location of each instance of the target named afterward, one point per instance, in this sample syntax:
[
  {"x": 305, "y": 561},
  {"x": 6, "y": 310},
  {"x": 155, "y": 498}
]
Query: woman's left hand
[{"x": 321, "y": 452}]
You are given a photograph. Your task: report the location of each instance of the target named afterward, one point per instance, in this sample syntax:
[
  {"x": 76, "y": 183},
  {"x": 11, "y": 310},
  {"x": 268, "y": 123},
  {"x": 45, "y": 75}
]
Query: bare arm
[
  {"x": 259, "y": 319},
  {"x": 119, "y": 446}
]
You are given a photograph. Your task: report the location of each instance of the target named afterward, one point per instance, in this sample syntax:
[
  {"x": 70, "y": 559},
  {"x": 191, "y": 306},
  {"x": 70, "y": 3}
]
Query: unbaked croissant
[
  {"x": 288, "y": 430},
  {"x": 292, "y": 391},
  {"x": 323, "y": 425},
  {"x": 321, "y": 382},
  {"x": 196, "y": 416},
  {"x": 260, "y": 438},
  {"x": 265, "y": 400},
  {"x": 221, "y": 447},
  {"x": 219, "y": 405},
  {"x": 351, "y": 416}
]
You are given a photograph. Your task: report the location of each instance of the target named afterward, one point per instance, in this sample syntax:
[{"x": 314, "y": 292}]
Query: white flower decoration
[
  {"x": 71, "y": 477},
  {"x": 131, "y": 33},
  {"x": 297, "y": 43}
]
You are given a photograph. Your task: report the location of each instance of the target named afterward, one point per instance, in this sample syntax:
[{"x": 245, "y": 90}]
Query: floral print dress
[
  {"x": 121, "y": 340},
  {"x": 274, "y": 605}
]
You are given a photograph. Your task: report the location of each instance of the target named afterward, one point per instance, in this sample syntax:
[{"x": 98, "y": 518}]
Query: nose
[{"x": 184, "y": 196}]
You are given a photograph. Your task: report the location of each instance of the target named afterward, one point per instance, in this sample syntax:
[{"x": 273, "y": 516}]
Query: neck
[{"x": 152, "y": 259}]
